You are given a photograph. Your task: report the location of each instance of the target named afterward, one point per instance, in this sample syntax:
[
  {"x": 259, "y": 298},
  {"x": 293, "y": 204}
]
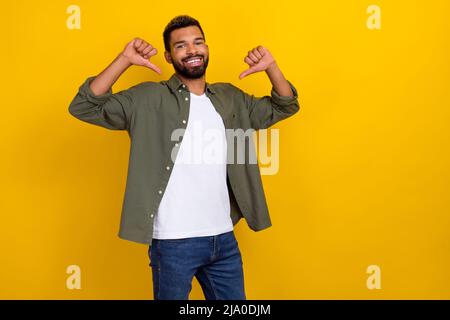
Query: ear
[{"x": 167, "y": 57}]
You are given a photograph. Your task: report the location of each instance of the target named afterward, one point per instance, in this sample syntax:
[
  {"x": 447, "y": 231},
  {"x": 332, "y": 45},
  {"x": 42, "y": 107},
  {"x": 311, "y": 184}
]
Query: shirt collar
[{"x": 175, "y": 83}]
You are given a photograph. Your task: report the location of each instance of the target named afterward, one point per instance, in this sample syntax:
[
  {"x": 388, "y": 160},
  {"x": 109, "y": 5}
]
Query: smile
[{"x": 194, "y": 61}]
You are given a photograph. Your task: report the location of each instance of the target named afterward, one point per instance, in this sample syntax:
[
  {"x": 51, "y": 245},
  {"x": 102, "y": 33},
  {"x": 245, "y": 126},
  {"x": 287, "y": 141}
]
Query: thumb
[
  {"x": 246, "y": 72},
  {"x": 152, "y": 66}
]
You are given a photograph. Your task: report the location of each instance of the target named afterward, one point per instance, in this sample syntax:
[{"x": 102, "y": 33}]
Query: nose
[{"x": 191, "y": 49}]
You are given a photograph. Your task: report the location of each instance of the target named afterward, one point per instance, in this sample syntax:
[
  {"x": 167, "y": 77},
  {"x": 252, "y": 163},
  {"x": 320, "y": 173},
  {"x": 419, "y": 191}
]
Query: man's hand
[
  {"x": 138, "y": 51},
  {"x": 259, "y": 59}
]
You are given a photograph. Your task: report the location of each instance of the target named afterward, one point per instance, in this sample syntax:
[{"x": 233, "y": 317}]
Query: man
[{"x": 186, "y": 210}]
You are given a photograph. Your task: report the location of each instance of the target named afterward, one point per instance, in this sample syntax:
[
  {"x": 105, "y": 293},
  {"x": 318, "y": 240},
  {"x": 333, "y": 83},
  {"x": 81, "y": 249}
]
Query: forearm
[
  {"x": 104, "y": 81},
  {"x": 279, "y": 82}
]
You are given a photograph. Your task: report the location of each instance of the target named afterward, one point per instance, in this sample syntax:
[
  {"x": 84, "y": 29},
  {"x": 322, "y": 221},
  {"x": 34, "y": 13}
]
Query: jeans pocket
[
  {"x": 153, "y": 253},
  {"x": 150, "y": 249}
]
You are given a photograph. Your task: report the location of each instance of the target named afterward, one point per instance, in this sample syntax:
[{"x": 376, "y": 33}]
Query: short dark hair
[{"x": 178, "y": 22}]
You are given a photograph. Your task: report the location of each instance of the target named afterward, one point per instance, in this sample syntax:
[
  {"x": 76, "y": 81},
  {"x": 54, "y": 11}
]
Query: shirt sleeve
[
  {"x": 267, "y": 110},
  {"x": 108, "y": 110}
]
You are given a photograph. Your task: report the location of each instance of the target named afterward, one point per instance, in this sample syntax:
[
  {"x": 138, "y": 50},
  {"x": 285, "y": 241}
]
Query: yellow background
[{"x": 364, "y": 166}]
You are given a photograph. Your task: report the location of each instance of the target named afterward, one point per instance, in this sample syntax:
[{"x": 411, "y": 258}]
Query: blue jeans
[{"x": 215, "y": 261}]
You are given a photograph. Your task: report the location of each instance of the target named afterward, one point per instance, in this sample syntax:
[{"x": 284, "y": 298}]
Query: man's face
[{"x": 189, "y": 52}]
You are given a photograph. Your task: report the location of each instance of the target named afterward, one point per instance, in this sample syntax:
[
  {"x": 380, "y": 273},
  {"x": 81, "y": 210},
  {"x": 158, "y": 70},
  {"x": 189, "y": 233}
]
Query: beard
[{"x": 191, "y": 72}]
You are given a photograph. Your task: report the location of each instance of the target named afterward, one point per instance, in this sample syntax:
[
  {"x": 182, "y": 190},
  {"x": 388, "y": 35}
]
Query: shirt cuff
[
  {"x": 284, "y": 100},
  {"x": 86, "y": 91}
]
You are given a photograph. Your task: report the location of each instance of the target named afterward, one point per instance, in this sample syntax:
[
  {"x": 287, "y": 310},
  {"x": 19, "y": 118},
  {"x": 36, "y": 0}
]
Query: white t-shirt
[{"x": 196, "y": 201}]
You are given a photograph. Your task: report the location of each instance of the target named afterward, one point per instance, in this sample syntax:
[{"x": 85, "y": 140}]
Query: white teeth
[{"x": 193, "y": 60}]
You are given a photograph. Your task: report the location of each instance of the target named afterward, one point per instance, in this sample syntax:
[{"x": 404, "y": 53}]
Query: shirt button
[
  {"x": 184, "y": 121},
  {"x": 176, "y": 144},
  {"x": 167, "y": 168},
  {"x": 186, "y": 98},
  {"x": 152, "y": 215},
  {"x": 184, "y": 86},
  {"x": 159, "y": 191},
  {"x": 179, "y": 90}
]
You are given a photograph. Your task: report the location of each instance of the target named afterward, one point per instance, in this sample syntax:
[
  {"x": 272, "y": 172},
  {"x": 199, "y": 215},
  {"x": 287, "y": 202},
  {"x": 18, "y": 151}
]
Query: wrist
[
  {"x": 123, "y": 60},
  {"x": 272, "y": 67}
]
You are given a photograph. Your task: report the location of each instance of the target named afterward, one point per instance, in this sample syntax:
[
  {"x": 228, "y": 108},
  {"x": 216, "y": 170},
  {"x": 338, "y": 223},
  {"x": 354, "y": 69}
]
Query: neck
[{"x": 196, "y": 86}]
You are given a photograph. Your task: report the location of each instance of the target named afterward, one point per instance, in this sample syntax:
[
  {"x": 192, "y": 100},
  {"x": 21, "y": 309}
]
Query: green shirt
[{"x": 150, "y": 112}]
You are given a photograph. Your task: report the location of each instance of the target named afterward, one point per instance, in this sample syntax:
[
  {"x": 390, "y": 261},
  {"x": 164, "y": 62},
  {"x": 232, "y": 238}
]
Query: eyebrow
[{"x": 182, "y": 41}]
